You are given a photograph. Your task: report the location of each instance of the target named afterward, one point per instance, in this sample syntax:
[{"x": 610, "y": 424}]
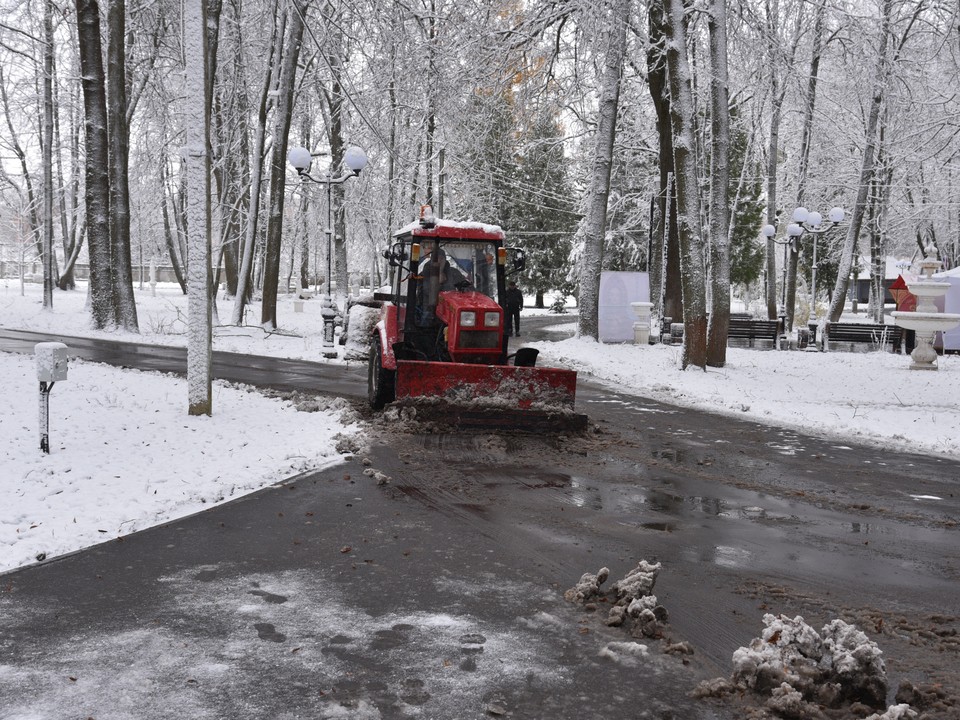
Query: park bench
[
  {"x": 752, "y": 329},
  {"x": 742, "y": 326},
  {"x": 852, "y": 335}
]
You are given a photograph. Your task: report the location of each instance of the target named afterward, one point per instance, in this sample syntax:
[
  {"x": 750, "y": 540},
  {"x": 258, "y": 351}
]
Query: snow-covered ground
[
  {"x": 868, "y": 397},
  {"x": 125, "y": 455}
]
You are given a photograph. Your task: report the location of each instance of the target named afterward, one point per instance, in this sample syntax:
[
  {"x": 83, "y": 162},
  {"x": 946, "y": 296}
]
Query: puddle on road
[
  {"x": 661, "y": 505},
  {"x": 700, "y": 522},
  {"x": 722, "y": 555},
  {"x": 646, "y": 500},
  {"x": 636, "y": 502},
  {"x": 861, "y": 528},
  {"x": 584, "y": 495}
]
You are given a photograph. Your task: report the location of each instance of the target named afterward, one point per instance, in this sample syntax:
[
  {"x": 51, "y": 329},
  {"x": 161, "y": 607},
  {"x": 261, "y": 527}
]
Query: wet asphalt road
[{"x": 490, "y": 530}]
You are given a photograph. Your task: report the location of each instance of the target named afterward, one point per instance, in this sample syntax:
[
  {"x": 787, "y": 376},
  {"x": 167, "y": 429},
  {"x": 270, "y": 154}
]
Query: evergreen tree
[
  {"x": 518, "y": 180},
  {"x": 747, "y": 253},
  {"x": 543, "y": 218}
]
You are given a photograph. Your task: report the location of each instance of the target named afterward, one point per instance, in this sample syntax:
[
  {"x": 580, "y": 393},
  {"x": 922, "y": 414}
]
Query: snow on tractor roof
[{"x": 454, "y": 229}]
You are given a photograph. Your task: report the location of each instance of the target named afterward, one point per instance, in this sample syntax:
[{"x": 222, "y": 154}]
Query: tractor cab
[{"x": 448, "y": 291}]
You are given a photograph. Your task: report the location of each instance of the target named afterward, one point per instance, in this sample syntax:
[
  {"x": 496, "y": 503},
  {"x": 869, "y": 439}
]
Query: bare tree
[
  {"x": 682, "y": 114},
  {"x": 806, "y": 139},
  {"x": 595, "y": 222},
  {"x": 887, "y": 55},
  {"x": 666, "y": 294},
  {"x": 719, "y": 187},
  {"x": 72, "y": 227},
  {"x": 278, "y": 167},
  {"x": 245, "y": 280},
  {"x": 30, "y": 207},
  {"x": 780, "y": 57}
]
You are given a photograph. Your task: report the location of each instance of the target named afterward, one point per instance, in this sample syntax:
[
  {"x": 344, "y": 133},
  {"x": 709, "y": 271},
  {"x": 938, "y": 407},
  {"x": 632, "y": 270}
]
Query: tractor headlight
[
  {"x": 468, "y": 318},
  {"x": 491, "y": 319}
]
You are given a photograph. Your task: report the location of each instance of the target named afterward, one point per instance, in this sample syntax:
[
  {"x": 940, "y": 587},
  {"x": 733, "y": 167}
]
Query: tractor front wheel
[{"x": 380, "y": 381}]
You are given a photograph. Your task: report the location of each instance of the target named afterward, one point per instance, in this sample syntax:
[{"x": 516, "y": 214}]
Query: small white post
[{"x": 51, "y": 360}]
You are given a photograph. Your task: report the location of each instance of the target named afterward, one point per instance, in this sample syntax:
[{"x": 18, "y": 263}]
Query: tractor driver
[
  {"x": 434, "y": 270},
  {"x": 438, "y": 275}
]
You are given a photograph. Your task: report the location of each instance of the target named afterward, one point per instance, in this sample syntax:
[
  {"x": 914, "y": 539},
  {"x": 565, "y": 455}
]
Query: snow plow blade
[{"x": 491, "y": 396}]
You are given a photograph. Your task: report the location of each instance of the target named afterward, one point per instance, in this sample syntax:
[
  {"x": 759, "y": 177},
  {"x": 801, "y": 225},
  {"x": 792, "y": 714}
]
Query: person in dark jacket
[{"x": 514, "y": 300}]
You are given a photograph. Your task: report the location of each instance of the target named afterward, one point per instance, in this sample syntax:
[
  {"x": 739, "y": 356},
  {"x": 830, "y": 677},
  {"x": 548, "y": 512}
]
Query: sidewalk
[{"x": 328, "y": 597}]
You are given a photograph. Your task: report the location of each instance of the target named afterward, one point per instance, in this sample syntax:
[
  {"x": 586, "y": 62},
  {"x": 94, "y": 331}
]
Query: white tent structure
[{"x": 951, "y": 304}]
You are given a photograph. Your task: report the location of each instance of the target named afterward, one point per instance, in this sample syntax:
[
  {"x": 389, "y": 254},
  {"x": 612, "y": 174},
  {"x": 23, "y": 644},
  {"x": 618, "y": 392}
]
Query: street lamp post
[
  {"x": 804, "y": 223},
  {"x": 355, "y": 159},
  {"x": 811, "y": 223}
]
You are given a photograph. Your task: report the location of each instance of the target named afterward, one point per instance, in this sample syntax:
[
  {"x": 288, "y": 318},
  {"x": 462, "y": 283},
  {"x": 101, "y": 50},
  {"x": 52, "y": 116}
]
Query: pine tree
[
  {"x": 747, "y": 254},
  {"x": 543, "y": 216}
]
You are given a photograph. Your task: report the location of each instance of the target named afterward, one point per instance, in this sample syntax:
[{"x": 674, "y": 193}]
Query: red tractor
[{"x": 440, "y": 339}]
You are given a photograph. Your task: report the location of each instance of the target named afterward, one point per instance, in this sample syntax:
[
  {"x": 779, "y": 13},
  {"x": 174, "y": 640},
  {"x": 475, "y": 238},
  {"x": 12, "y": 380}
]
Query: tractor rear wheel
[{"x": 380, "y": 381}]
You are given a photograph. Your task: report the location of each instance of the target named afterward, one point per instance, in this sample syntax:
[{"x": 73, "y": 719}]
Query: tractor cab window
[
  {"x": 453, "y": 265},
  {"x": 458, "y": 265}
]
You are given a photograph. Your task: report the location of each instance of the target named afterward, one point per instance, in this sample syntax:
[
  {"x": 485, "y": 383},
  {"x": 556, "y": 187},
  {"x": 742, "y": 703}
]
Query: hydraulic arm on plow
[{"x": 440, "y": 341}]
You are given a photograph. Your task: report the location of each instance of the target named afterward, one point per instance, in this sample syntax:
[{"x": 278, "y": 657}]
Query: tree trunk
[
  {"x": 719, "y": 188},
  {"x": 245, "y": 280},
  {"x": 777, "y": 95},
  {"x": 688, "y": 191},
  {"x": 771, "y": 264},
  {"x": 68, "y": 194},
  {"x": 866, "y": 171},
  {"x": 335, "y": 98},
  {"x": 431, "y": 102},
  {"x": 71, "y": 259},
  {"x": 880, "y": 206},
  {"x": 598, "y": 192},
  {"x": 304, "y": 218},
  {"x": 97, "y": 163},
  {"x": 125, "y": 306},
  {"x": 392, "y": 150},
  {"x": 278, "y": 170},
  {"x": 226, "y": 177},
  {"x": 666, "y": 292},
  {"x": 197, "y": 159},
  {"x": 173, "y": 249},
  {"x": 48, "y": 265},
  {"x": 211, "y": 24}
]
